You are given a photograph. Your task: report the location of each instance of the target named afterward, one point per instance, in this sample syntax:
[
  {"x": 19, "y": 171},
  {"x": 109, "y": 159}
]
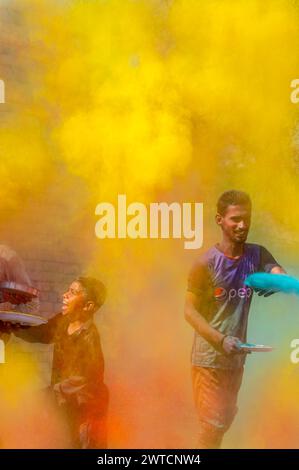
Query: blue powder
[{"x": 275, "y": 282}]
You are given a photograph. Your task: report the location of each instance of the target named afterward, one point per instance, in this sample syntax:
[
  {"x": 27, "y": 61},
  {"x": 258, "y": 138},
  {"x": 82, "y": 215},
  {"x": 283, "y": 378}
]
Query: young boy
[{"x": 78, "y": 364}]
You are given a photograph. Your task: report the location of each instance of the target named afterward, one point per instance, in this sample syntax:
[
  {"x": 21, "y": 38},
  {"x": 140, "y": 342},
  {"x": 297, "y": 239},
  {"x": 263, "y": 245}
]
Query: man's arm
[
  {"x": 268, "y": 264},
  {"x": 199, "y": 284},
  {"x": 222, "y": 343},
  {"x": 199, "y": 323}
]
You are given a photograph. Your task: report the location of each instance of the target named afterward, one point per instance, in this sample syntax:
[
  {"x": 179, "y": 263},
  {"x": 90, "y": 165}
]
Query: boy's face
[{"x": 74, "y": 300}]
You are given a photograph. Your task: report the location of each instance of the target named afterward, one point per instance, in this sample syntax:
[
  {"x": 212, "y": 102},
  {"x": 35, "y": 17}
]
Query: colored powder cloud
[{"x": 161, "y": 100}]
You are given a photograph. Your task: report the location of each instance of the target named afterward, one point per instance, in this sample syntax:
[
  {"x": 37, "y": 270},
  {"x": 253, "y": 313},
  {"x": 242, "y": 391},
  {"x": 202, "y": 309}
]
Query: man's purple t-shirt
[{"x": 224, "y": 299}]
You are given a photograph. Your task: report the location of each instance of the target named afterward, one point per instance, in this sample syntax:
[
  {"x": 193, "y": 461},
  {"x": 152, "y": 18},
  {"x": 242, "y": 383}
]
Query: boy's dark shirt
[{"x": 78, "y": 363}]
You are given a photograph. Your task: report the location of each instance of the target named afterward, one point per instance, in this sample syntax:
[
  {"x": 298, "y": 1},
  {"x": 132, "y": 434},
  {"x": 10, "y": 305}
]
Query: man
[
  {"x": 78, "y": 364},
  {"x": 217, "y": 307}
]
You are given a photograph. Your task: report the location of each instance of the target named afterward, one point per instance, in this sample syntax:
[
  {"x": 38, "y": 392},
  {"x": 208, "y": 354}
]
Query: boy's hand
[
  {"x": 8, "y": 328},
  {"x": 5, "y": 327}
]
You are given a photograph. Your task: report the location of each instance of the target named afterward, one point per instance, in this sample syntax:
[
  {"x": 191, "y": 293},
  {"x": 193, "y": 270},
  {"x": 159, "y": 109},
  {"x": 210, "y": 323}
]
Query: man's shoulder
[
  {"x": 254, "y": 248},
  {"x": 203, "y": 266},
  {"x": 206, "y": 257}
]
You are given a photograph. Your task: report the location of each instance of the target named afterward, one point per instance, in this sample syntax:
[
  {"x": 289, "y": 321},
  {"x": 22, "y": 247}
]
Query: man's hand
[
  {"x": 268, "y": 292},
  {"x": 264, "y": 292},
  {"x": 230, "y": 345}
]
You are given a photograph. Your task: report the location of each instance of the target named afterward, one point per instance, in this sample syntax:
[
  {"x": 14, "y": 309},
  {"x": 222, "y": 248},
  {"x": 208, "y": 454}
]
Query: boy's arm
[{"x": 37, "y": 334}]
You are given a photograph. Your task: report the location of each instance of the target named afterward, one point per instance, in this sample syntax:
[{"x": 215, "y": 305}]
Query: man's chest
[{"x": 227, "y": 279}]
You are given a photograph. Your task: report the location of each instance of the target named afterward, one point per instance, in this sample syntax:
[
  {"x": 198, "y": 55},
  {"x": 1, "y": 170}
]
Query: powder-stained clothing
[
  {"x": 224, "y": 301},
  {"x": 218, "y": 281},
  {"x": 77, "y": 377},
  {"x": 215, "y": 393}
]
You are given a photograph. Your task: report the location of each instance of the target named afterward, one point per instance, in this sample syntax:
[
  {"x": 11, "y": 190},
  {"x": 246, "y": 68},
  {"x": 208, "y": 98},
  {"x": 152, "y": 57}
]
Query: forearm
[
  {"x": 38, "y": 334},
  {"x": 202, "y": 327},
  {"x": 32, "y": 334}
]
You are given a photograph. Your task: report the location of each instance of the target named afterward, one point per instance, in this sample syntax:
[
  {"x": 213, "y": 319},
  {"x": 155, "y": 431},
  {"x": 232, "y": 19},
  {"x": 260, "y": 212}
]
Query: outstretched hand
[
  {"x": 8, "y": 327},
  {"x": 264, "y": 292},
  {"x": 5, "y": 327}
]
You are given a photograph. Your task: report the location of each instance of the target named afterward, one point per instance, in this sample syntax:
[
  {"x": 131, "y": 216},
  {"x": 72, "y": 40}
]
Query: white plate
[
  {"x": 250, "y": 347},
  {"x": 22, "y": 318}
]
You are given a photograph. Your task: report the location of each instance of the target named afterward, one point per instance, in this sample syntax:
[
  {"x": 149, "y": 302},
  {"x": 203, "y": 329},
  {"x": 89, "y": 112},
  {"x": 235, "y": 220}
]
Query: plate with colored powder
[{"x": 251, "y": 347}]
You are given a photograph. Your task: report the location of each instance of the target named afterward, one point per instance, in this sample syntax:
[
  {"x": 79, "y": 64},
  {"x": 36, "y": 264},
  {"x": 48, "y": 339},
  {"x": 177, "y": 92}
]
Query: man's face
[
  {"x": 74, "y": 300},
  {"x": 235, "y": 223}
]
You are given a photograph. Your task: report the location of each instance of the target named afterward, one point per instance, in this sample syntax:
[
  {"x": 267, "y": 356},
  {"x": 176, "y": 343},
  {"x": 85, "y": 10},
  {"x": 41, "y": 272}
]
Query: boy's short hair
[
  {"x": 232, "y": 198},
  {"x": 95, "y": 290}
]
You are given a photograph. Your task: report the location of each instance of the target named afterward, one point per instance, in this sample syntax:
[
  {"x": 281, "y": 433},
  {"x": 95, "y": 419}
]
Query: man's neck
[{"x": 231, "y": 249}]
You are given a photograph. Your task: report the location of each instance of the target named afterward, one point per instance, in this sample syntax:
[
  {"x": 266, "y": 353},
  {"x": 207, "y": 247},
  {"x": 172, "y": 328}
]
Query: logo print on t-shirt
[{"x": 220, "y": 293}]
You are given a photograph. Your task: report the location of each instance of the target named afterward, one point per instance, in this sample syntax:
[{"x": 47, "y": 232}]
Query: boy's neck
[{"x": 75, "y": 325}]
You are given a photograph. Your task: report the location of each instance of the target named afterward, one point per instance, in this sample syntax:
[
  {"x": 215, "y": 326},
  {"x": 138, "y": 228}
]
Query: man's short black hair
[
  {"x": 95, "y": 290},
  {"x": 232, "y": 198}
]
